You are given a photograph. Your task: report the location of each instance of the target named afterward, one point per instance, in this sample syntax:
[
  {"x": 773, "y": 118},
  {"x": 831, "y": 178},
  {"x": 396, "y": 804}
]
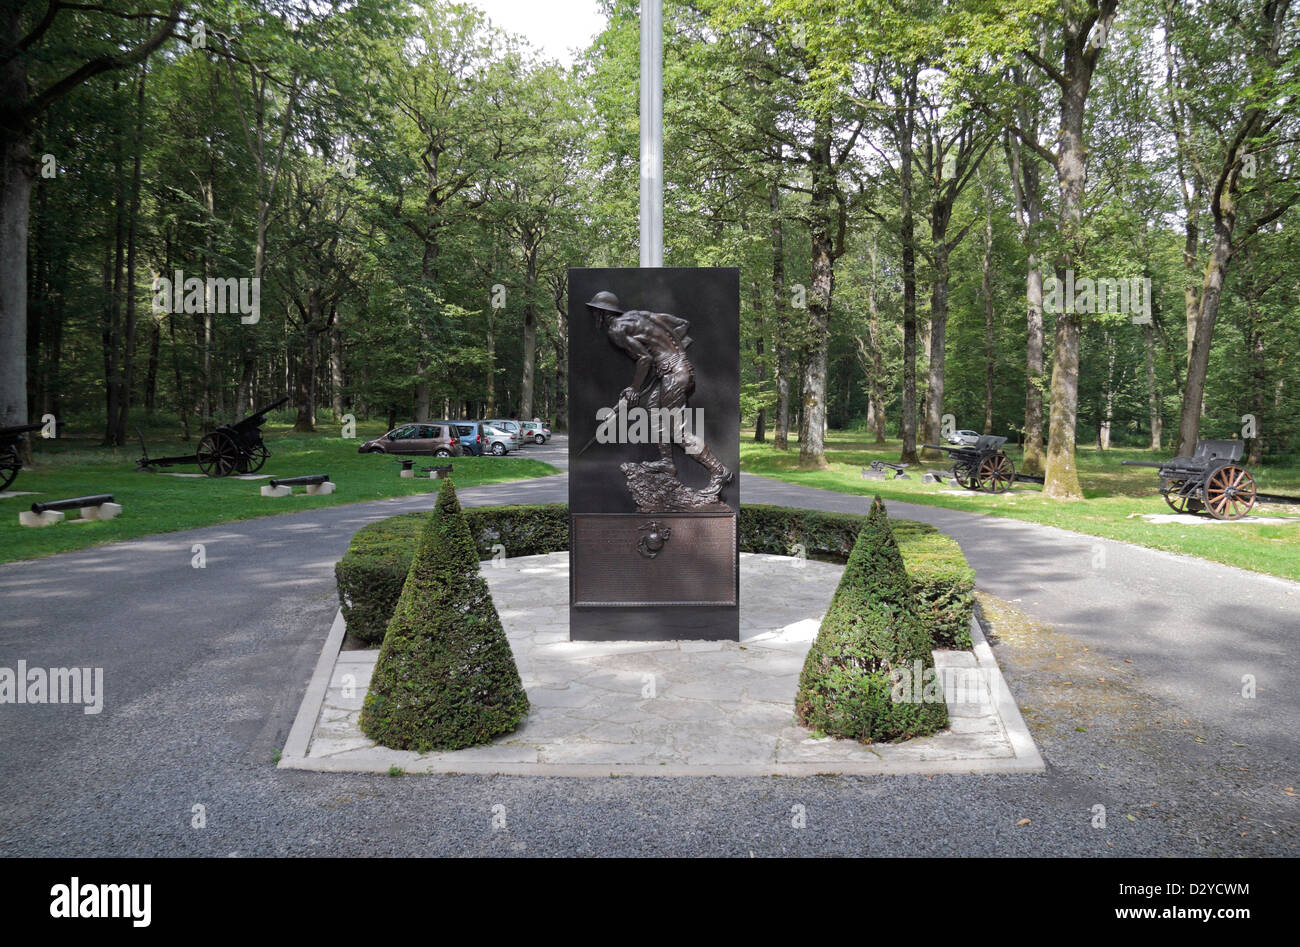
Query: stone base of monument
[
  {"x": 658, "y": 490},
  {"x": 654, "y": 576},
  {"x": 668, "y": 708}
]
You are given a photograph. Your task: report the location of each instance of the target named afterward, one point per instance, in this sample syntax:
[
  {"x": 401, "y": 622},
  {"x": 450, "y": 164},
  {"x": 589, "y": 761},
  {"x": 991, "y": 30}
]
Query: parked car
[
  {"x": 504, "y": 424},
  {"x": 499, "y": 441},
  {"x": 472, "y": 441},
  {"x": 538, "y": 432},
  {"x": 421, "y": 439},
  {"x": 964, "y": 438}
]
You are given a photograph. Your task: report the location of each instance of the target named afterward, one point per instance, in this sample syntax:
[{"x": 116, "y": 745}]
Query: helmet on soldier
[{"x": 605, "y": 300}]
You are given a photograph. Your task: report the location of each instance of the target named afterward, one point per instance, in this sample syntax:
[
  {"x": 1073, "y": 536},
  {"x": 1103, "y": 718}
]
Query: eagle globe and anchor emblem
[{"x": 654, "y": 539}]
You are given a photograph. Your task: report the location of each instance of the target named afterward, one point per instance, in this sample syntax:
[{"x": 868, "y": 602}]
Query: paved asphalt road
[{"x": 204, "y": 670}]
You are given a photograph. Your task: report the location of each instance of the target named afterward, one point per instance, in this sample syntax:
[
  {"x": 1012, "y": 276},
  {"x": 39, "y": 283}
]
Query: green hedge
[
  {"x": 371, "y": 573},
  {"x": 943, "y": 582},
  {"x": 872, "y": 635},
  {"x": 446, "y": 677}
]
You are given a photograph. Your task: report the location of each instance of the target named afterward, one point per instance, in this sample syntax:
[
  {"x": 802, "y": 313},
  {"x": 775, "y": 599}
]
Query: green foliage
[
  {"x": 371, "y": 573},
  {"x": 872, "y": 629},
  {"x": 446, "y": 677},
  {"x": 373, "y": 570}
]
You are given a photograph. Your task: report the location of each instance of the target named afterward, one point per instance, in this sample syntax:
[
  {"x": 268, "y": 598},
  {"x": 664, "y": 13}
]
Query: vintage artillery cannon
[
  {"x": 10, "y": 460},
  {"x": 231, "y": 448},
  {"x": 1212, "y": 481},
  {"x": 983, "y": 465},
  {"x": 900, "y": 470}
]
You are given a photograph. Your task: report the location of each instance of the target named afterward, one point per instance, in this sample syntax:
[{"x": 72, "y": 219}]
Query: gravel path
[{"x": 205, "y": 668}]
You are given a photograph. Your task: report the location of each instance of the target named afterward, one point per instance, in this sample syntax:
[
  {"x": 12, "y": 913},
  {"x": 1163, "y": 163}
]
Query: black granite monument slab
[{"x": 654, "y": 454}]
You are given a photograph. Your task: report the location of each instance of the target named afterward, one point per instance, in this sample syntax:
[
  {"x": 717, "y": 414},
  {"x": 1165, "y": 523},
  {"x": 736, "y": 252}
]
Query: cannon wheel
[
  {"x": 256, "y": 457},
  {"x": 1180, "y": 503},
  {"x": 10, "y": 464},
  {"x": 218, "y": 454},
  {"x": 995, "y": 474},
  {"x": 1230, "y": 492},
  {"x": 962, "y": 474}
]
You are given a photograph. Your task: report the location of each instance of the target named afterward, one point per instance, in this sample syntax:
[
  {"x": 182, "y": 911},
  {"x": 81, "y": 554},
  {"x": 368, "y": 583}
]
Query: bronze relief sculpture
[{"x": 663, "y": 381}]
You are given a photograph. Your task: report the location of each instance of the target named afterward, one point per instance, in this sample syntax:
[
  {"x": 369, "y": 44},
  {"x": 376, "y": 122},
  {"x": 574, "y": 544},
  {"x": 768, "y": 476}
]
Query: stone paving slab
[{"x": 668, "y": 708}]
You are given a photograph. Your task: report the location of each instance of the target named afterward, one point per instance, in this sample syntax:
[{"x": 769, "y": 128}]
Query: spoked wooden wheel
[
  {"x": 218, "y": 454},
  {"x": 9, "y": 467},
  {"x": 1180, "y": 503},
  {"x": 1230, "y": 492},
  {"x": 995, "y": 474},
  {"x": 255, "y": 458},
  {"x": 962, "y": 474}
]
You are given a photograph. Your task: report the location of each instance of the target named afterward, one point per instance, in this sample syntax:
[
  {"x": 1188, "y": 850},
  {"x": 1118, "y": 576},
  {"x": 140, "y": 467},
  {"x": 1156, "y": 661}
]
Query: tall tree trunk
[
  {"x": 760, "y": 360},
  {"x": 113, "y": 288},
  {"x": 1189, "y": 422},
  {"x": 530, "y": 332},
  {"x": 15, "y": 206},
  {"x": 938, "y": 330},
  {"x": 336, "y": 367},
  {"x": 1028, "y": 204},
  {"x": 1153, "y": 392},
  {"x": 812, "y": 421},
  {"x": 875, "y": 340},
  {"x": 1107, "y": 396},
  {"x": 129, "y": 330},
  {"x": 560, "y": 342},
  {"x": 305, "y": 385},
  {"x": 780, "y": 321},
  {"x": 907, "y": 236},
  {"x": 986, "y": 290}
]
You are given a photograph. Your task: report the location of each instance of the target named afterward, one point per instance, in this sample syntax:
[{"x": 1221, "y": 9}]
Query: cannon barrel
[
  {"x": 258, "y": 418},
  {"x": 75, "y": 503},
  {"x": 943, "y": 447},
  {"x": 300, "y": 481},
  {"x": 1142, "y": 463},
  {"x": 6, "y": 432}
]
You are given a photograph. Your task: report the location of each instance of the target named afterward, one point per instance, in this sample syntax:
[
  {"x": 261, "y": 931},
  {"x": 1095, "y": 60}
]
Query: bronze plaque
[{"x": 662, "y": 559}]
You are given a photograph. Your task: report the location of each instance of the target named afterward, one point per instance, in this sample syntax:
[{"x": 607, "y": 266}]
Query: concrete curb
[
  {"x": 296, "y": 746},
  {"x": 1022, "y": 741},
  {"x": 1026, "y": 761}
]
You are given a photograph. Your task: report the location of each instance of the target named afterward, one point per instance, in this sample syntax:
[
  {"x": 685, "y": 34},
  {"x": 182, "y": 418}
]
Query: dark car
[
  {"x": 420, "y": 439},
  {"x": 472, "y": 440}
]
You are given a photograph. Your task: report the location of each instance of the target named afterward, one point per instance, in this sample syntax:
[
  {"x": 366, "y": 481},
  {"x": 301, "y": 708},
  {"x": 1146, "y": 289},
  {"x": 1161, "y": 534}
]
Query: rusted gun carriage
[
  {"x": 10, "y": 460},
  {"x": 231, "y": 448},
  {"x": 1211, "y": 481},
  {"x": 983, "y": 465}
]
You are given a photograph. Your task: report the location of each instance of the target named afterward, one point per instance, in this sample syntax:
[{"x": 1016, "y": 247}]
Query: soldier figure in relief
[{"x": 658, "y": 341}]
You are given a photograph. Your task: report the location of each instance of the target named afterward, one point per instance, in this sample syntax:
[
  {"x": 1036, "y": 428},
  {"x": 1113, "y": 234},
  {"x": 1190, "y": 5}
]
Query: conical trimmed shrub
[
  {"x": 872, "y": 629},
  {"x": 446, "y": 677}
]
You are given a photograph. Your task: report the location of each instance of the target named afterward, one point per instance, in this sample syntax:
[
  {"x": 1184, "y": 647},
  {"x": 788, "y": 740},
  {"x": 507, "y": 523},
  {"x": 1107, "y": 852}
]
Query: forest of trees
[{"x": 909, "y": 187}]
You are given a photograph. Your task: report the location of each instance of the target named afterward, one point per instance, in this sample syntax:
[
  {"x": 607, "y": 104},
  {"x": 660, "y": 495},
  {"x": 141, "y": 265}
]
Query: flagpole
[{"x": 652, "y": 133}]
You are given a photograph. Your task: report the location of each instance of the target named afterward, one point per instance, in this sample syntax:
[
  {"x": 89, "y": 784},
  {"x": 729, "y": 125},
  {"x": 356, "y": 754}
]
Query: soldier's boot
[{"x": 720, "y": 475}]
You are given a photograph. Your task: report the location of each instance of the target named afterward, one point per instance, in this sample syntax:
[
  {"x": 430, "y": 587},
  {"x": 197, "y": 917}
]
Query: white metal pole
[{"x": 652, "y": 133}]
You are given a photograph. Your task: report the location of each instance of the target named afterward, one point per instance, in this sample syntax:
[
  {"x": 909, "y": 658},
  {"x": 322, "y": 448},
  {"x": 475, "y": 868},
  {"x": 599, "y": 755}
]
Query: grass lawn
[
  {"x": 1115, "y": 499},
  {"x": 160, "y": 503}
]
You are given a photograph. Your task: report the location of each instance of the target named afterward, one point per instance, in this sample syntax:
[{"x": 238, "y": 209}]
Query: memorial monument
[{"x": 654, "y": 402}]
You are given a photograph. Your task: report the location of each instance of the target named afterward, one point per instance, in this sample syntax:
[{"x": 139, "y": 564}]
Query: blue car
[{"x": 472, "y": 440}]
